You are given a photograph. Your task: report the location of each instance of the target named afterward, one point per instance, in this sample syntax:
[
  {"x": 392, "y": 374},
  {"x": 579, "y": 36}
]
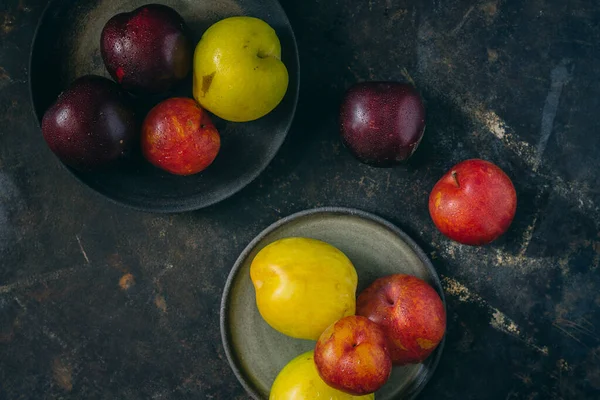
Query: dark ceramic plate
[
  {"x": 67, "y": 45},
  {"x": 257, "y": 353}
]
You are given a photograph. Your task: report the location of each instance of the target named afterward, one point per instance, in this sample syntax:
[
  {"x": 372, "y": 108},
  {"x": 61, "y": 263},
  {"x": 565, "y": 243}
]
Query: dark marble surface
[{"x": 101, "y": 302}]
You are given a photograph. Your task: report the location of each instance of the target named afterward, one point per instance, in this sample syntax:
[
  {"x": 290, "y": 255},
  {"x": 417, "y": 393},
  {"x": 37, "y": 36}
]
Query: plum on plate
[
  {"x": 382, "y": 123},
  {"x": 91, "y": 124},
  {"x": 410, "y": 312},
  {"x": 147, "y": 50},
  {"x": 178, "y": 136}
]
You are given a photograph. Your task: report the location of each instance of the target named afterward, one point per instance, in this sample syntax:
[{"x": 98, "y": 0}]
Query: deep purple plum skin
[
  {"x": 382, "y": 123},
  {"x": 147, "y": 50},
  {"x": 91, "y": 124}
]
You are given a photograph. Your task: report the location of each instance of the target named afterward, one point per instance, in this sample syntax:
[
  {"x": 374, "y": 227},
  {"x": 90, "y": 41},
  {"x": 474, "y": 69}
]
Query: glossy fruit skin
[
  {"x": 410, "y": 312},
  {"x": 299, "y": 380},
  {"x": 147, "y": 50},
  {"x": 352, "y": 356},
  {"x": 382, "y": 123},
  {"x": 303, "y": 285},
  {"x": 91, "y": 125},
  {"x": 474, "y": 203},
  {"x": 178, "y": 136},
  {"x": 238, "y": 72}
]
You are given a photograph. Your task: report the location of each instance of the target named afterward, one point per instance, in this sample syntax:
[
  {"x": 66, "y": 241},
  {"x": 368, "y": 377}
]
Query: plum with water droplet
[
  {"x": 91, "y": 124},
  {"x": 382, "y": 123},
  {"x": 147, "y": 50}
]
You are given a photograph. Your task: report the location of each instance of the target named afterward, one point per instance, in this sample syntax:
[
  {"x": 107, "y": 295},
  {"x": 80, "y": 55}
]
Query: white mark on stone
[
  {"x": 577, "y": 191},
  {"x": 559, "y": 76},
  {"x": 497, "y": 127},
  {"x": 528, "y": 235},
  {"x": 504, "y": 324},
  {"x": 498, "y": 320},
  {"x": 460, "y": 291},
  {"x": 82, "y": 249},
  {"x": 20, "y": 303},
  {"x": 462, "y": 21}
]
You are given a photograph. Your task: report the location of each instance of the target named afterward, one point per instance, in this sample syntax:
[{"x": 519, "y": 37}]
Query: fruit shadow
[
  {"x": 322, "y": 74},
  {"x": 452, "y": 136},
  {"x": 330, "y": 64}
]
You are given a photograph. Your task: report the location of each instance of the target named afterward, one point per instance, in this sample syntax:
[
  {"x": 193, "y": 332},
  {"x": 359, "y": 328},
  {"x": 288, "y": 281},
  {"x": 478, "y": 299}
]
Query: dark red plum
[
  {"x": 91, "y": 124},
  {"x": 382, "y": 123},
  {"x": 147, "y": 50}
]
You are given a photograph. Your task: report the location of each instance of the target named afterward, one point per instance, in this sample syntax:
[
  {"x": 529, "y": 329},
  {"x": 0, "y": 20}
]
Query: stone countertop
[{"x": 101, "y": 302}]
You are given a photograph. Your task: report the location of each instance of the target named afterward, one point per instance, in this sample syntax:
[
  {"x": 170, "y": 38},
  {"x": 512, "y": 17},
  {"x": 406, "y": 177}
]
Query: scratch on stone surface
[
  {"x": 387, "y": 183},
  {"x": 569, "y": 334},
  {"x": 22, "y": 305},
  {"x": 528, "y": 235},
  {"x": 575, "y": 330},
  {"x": 559, "y": 76},
  {"x": 407, "y": 76},
  {"x": 498, "y": 320},
  {"x": 82, "y": 249},
  {"x": 33, "y": 280},
  {"x": 356, "y": 76},
  {"x": 462, "y": 21}
]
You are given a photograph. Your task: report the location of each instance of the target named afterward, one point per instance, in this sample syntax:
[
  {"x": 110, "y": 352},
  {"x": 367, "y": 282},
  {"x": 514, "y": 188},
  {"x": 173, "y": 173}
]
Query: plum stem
[{"x": 455, "y": 176}]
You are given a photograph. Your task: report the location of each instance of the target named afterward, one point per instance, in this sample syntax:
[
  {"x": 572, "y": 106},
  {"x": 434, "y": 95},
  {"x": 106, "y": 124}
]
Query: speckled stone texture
[{"x": 100, "y": 302}]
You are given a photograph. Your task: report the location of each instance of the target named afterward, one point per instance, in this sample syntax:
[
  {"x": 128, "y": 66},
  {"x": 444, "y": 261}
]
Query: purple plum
[
  {"x": 147, "y": 50},
  {"x": 91, "y": 125},
  {"x": 382, "y": 123}
]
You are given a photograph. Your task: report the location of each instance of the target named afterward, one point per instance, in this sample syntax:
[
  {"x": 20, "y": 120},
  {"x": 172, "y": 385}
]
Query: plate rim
[
  {"x": 223, "y": 311},
  {"x": 175, "y": 206}
]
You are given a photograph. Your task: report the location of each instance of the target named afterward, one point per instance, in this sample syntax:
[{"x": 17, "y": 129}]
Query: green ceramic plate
[{"x": 257, "y": 353}]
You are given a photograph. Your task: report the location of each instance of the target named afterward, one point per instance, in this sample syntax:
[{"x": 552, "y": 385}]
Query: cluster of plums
[
  {"x": 92, "y": 123},
  {"x": 382, "y": 124},
  {"x": 148, "y": 51}
]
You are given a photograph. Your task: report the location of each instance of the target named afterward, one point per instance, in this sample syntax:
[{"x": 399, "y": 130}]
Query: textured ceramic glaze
[{"x": 377, "y": 248}]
